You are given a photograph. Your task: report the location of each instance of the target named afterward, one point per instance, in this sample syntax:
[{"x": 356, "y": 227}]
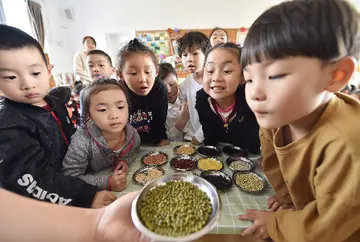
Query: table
[{"x": 234, "y": 201}]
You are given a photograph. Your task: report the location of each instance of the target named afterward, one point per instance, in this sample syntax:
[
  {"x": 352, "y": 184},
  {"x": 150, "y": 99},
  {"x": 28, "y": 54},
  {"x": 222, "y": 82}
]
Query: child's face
[
  {"x": 24, "y": 76},
  {"x": 171, "y": 83},
  {"x": 222, "y": 74},
  {"x": 285, "y": 91},
  {"x": 109, "y": 110},
  {"x": 99, "y": 66},
  {"x": 139, "y": 73},
  {"x": 193, "y": 59},
  {"x": 219, "y": 36}
]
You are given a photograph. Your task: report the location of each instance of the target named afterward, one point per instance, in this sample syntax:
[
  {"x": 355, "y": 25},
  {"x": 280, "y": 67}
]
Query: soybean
[
  {"x": 175, "y": 209},
  {"x": 249, "y": 182}
]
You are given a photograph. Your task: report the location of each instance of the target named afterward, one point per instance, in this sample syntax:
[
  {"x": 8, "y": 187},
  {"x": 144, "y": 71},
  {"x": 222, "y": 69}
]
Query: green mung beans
[{"x": 175, "y": 209}]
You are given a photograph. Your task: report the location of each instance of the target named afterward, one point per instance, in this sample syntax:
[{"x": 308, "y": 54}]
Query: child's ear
[
  {"x": 341, "y": 74},
  {"x": 112, "y": 70}
]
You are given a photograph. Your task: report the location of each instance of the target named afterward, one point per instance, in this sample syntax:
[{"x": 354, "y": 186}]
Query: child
[
  {"x": 106, "y": 140},
  {"x": 294, "y": 65},
  {"x": 99, "y": 65},
  {"x": 221, "y": 105},
  {"x": 35, "y": 129},
  {"x": 218, "y": 36},
  {"x": 73, "y": 105},
  {"x": 177, "y": 117},
  {"x": 137, "y": 67},
  {"x": 192, "y": 48}
]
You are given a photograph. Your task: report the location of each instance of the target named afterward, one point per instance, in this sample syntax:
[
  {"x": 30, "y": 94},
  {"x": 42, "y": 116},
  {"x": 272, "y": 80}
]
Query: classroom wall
[{"x": 99, "y": 17}]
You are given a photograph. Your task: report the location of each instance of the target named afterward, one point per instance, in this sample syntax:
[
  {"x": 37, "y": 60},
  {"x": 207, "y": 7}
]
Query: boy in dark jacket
[{"x": 35, "y": 129}]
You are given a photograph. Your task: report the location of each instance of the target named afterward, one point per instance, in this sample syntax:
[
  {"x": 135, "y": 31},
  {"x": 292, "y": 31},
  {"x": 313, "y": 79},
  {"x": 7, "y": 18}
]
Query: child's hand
[
  {"x": 194, "y": 141},
  {"x": 259, "y": 228},
  {"x": 184, "y": 113},
  {"x": 118, "y": 181},
  {"x": 122, "y": 165},
  {"x": 103, "y": 199},
  {"x": 164, "y": 142},
  {"x": 274, "y": 205}
]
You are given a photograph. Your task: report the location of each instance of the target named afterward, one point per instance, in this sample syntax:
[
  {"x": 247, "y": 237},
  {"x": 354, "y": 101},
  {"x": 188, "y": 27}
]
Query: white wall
[{"x": 98, "y": 17}]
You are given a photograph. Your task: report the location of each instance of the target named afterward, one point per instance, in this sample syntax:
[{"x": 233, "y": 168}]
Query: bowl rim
[
  {"x": 142, "y": 169},
  {"x": 231, "y": 159},
  {"x": 257, "y": 175},
  {"x": 222, "y": 173},
  {"x": 235, "y": 148},
  {"x": 205, "y": 230},
  {"x": 188, "y": 145},
  {"x": 210, "y": 157},
  {"x": 154, "y": 153},
  {"x": 183, "y": 157},
  {"x": 217, "y": 149}
]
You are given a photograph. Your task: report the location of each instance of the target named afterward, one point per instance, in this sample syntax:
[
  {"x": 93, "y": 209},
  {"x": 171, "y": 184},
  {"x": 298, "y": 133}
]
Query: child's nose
[
  {"x": 257, "y": 92},
  {"x": 27, "y": 84}
]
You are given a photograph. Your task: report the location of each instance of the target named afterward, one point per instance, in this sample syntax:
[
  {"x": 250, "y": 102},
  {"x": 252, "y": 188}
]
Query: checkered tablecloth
[{"x": 234, "y": 201}]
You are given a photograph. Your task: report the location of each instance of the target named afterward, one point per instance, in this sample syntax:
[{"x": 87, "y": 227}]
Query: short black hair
[
  {"x": 165, "y": 69},
  {"x": 63, "y": 93},
  {"x": 227, "y": 46},
  {"x": 88, "y": 37},
  {"x": 193, "y": 39},
  {"x": 97, "y": 86},
  {"x": 100, "y": 52},
  {"x": 218, "y": 28},
  {"x": 133, "y": 47},
  {"x": 78, "y": 86},
  {"x": 323, "y": 29},
  {"x": 14, "y": 38}
]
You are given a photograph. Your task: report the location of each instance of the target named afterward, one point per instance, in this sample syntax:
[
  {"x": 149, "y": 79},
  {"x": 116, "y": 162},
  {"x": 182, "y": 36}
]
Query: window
[{"x": 17, "y": 16}]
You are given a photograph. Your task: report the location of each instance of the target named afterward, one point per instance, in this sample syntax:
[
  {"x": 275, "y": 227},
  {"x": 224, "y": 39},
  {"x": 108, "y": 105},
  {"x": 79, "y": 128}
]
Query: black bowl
[
  {"x": 234, "y": 151},
  {"x": 208, "y": 151},
  {"x": 219, "y": 179}
]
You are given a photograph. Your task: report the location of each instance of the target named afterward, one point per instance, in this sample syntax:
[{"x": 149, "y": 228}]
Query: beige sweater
[
  {"x": 320, "y": 175},
  {"x": 80, "y": 68}
]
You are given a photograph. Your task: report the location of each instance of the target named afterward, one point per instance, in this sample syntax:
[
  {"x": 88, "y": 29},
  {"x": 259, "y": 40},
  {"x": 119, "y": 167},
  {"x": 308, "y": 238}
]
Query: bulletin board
[{"x": 158, "y": 41}]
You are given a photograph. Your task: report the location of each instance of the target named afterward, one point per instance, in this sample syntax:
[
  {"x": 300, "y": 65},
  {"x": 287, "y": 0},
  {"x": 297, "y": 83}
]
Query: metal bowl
[
  {"x": 213, "y": 158},
  {"x": 210, "y": 176},
  {"x": 154, "y": 153},
  {"x": 208, "y": 151},
  {"x": 234, "y": 151},
  {"x": 243, "y": 159},
  {"x": 263, "y": 181},
  {"x": 172, "y": 161},
  {"x": 178, "y": 146},
  {"x": 201, "y": 183},
  {"x": 146, "y": 170}
]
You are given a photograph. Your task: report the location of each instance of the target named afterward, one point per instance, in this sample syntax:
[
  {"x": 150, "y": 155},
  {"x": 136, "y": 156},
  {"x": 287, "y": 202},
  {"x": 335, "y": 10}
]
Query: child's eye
[
  {"x": 227, "y": 71},
  {"x": 185, "y": 55},
  {"x": 132, "y": 73},
  {"x": 101, "y": 110},
  {"x": 122, "y": 107},
  {"x": 210, "y": 71},
  {"x": 195, "y": 53},
  {"x": 10, "y": 77},
  {"x": 275, "y": 77},
  {"x": 148, "y": 72},
  {"x": 247, "y": 81},
  {"x": 102, "y": 65},
  {"x": 36, "y": 73}
]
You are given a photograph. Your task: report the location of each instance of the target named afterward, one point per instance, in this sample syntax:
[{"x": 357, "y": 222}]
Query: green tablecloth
[{"x": 234, "y": 201}]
